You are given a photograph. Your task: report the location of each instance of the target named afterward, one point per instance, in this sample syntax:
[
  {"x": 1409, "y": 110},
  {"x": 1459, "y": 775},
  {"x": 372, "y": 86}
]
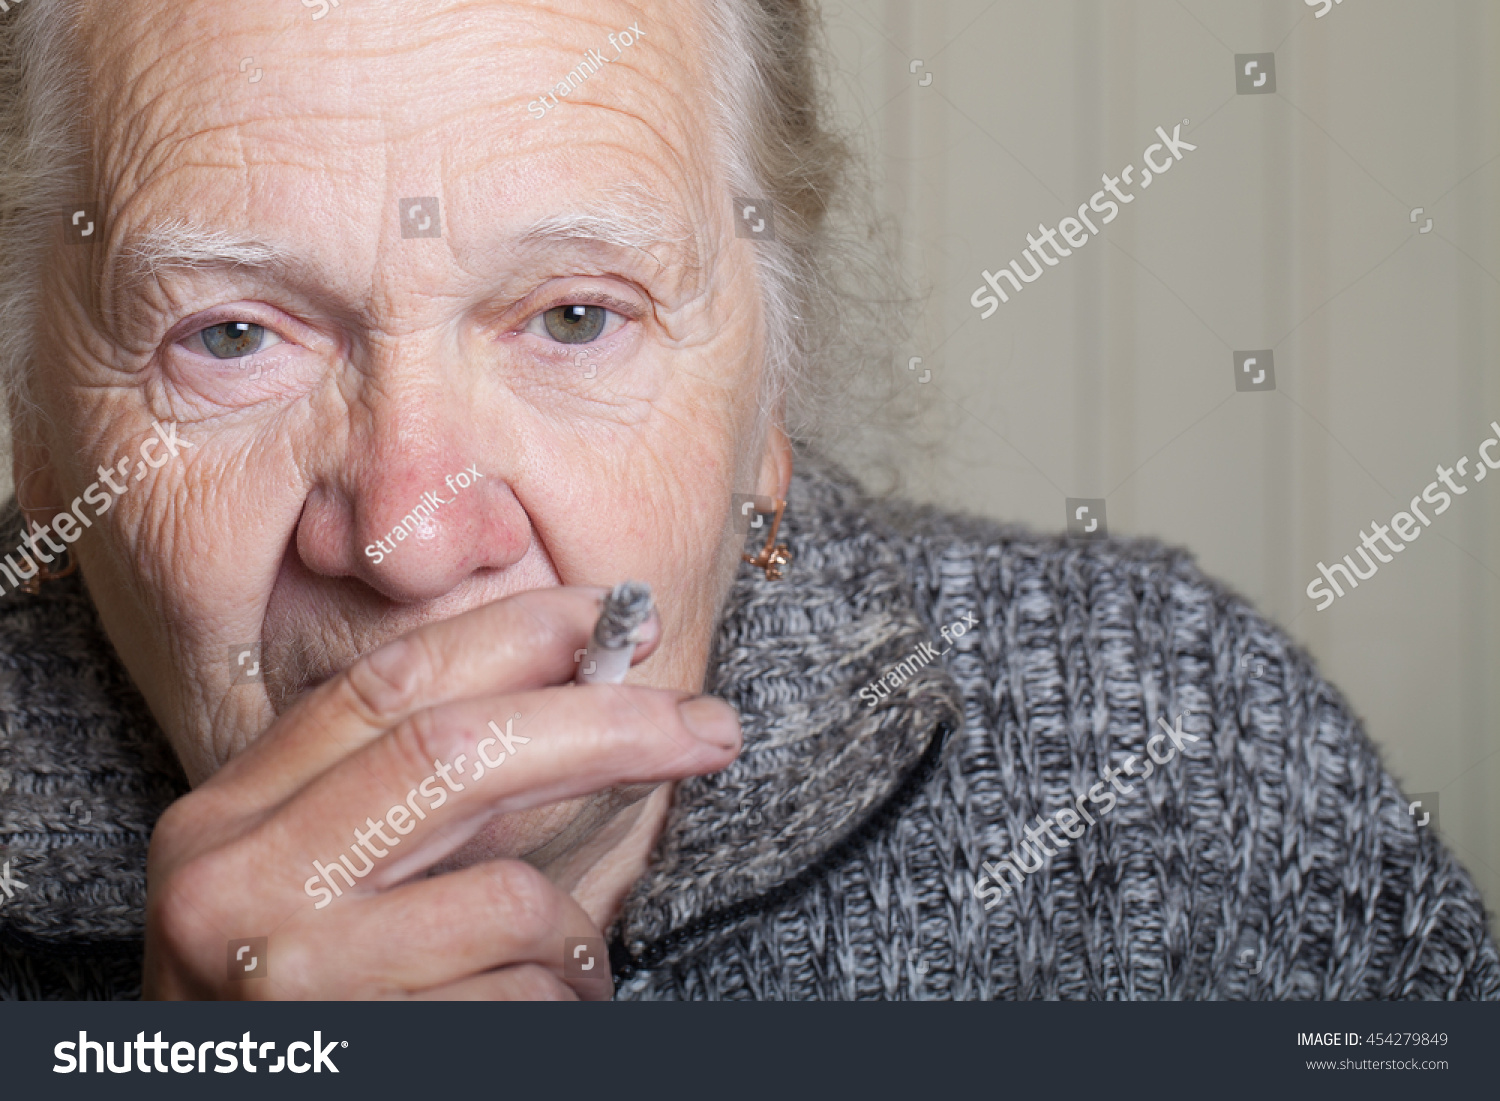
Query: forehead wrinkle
[
  {"x": 628, "y": 215},
  {"x": 141, "y": 111},
  {"x": 692, "y": 171},
  {"x": 145, "y": 141}
]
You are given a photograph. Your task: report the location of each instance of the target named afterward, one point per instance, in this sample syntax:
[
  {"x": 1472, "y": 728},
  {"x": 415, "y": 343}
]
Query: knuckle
[
  {"x": 176, "y": 830},
  {"x": 183, "y": 909},
  {"x": 645, "y": 723},
  {"x": 175, "y": 818},
  {"x": 172, "y": 915},
  {"x": 549, "y": 621},
  {"x": 540, "y": 624},
  {"x": 525, "y": 896},
  {"x": 199, "y": 827},
  {"x": 628, "y": 723},
  {"x": 393, "y": 685},
  {"x": 420, "y": 740},
  {"x": 301, "y": 974},
  {"x": 192, "y": 823}
]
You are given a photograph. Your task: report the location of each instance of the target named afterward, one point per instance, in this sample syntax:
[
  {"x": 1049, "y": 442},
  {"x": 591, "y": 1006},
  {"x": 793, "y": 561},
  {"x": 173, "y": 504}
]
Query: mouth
[
  {"x": 315, "y": 681},
  {"x": 322, "y": 668}
]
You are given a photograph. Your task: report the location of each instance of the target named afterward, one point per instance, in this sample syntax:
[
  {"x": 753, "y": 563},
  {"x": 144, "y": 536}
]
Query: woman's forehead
[{"x": 454, "y": 85}]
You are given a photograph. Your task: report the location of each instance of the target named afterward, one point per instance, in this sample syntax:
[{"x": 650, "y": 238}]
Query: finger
[
  {"x": 527, "y": 983},
  {"x": 523, "y": 641},
  {"x": 427, "y": 786},
  {"x": 434, "y": 932}
]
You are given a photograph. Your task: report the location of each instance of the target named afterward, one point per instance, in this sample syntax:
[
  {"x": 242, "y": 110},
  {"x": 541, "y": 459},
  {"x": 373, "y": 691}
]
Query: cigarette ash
[{"x": 624, "y": 610}]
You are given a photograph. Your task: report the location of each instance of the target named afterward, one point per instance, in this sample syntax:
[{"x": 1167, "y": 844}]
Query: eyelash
[
  {"x": 196, "y": 338},
  {"x": 619, "y": 308}
]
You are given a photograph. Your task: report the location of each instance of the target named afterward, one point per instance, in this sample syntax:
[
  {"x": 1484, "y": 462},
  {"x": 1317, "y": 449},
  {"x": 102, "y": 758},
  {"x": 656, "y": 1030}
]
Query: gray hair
[
  {"x": 40, "y": 89},
  {"x": 830, "y": 297}
]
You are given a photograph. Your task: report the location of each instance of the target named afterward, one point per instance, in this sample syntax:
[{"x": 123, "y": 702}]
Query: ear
[
  {"x": 30, "y": 463},
  {"x": 776, "y": 463}
]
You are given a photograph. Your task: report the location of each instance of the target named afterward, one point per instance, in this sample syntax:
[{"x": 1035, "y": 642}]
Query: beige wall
[{"x": 1289, "y": 228}]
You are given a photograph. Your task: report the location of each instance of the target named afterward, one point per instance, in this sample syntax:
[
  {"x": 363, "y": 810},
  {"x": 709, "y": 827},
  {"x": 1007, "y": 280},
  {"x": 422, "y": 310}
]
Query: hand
[{"x": 230, "y": 859}]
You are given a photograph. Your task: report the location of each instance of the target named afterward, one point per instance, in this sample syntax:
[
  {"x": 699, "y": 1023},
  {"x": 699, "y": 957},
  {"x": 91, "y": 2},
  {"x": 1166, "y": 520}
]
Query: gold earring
[
  {"x": 773, "y": 555},
  {"x": 33, "y": 584}
]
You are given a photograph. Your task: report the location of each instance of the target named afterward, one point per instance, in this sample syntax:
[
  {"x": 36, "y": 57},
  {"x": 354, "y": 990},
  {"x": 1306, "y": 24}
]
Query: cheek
[
  {"x": 670, "y": 494},
  {"x": 173, "y": 531},
  {"x": 649, "y": 502}
]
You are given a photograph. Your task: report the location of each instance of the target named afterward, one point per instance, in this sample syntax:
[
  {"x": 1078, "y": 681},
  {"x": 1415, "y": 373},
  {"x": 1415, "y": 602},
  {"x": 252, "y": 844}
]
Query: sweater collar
[
  {"x": 85, "y": 771},
  {"x": 818, "y": 760}
]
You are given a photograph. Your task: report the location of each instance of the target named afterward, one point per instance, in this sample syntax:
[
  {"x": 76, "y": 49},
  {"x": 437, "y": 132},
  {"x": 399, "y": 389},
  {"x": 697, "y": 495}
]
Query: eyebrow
[
  {"x": 181, "y": 244},
  {"x": 625, "y": 217}
]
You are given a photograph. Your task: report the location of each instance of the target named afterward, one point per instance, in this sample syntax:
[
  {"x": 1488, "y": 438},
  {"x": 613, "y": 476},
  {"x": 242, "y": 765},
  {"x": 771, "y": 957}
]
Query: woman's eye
[
  {"x": 236, "y": 339},
  {"x": 575, "y": 324}
]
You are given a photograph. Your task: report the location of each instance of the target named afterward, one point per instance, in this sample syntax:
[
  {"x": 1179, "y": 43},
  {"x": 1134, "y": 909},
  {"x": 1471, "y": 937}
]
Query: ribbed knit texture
[
  {"x": 1278, "y": 832},
  {"x": 84, "y": 775},
  {"x": 836, "y": 857}
]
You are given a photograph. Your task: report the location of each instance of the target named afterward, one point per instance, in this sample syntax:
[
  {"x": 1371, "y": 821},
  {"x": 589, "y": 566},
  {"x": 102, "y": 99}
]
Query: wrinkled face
[{"x": 376, "y": 268}]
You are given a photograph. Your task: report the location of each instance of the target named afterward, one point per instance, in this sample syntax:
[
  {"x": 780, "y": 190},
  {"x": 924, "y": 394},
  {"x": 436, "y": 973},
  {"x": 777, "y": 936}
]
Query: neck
[{"x": 600, "y": 872}]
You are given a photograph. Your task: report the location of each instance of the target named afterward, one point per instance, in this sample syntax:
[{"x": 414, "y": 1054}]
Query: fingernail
[{"x": 711, "y": 720}]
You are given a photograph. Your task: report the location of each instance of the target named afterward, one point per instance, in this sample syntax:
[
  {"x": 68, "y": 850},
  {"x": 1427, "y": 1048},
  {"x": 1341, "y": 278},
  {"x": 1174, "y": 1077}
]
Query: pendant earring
[
  {"x": 773, "y": 555},
  {"x": 33, "y": 584}
]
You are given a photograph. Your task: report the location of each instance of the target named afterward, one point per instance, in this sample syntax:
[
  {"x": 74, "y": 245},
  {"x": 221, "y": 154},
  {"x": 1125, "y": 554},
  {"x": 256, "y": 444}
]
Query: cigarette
[
  {"x": 617, "y": 632},
  {"x": 622, "y": 614}
]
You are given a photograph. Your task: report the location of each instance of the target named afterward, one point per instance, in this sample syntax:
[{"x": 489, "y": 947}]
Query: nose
[{"x": 420, "y": 505}]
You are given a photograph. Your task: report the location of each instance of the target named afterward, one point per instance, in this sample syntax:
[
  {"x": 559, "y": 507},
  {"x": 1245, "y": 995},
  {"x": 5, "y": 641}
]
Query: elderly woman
[{"x": 536, "y": 292}]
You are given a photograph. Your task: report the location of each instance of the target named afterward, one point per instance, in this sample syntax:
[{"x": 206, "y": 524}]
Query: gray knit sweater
[{"x": 888, "y": 756}]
